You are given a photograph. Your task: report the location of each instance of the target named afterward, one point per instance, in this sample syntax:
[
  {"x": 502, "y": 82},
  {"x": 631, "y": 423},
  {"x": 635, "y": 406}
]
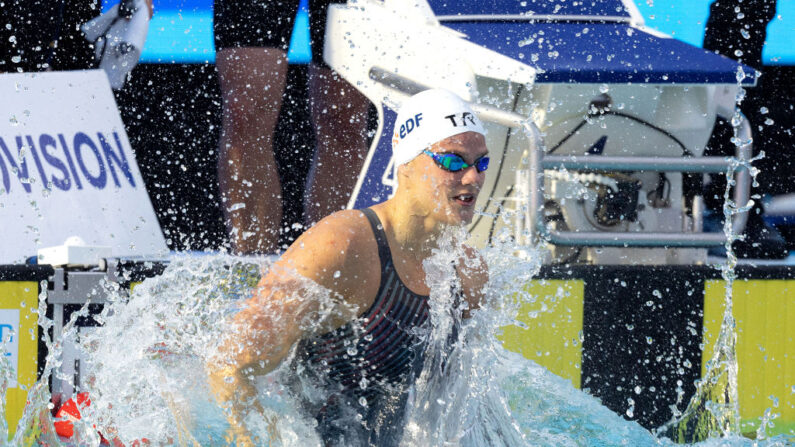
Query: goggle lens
[
  {"x": 482, "y": 163},
  {"x": 454, "y": 162}
]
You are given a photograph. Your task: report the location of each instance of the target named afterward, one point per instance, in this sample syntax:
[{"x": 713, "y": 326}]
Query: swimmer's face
[{"x": 450, "y": 196}]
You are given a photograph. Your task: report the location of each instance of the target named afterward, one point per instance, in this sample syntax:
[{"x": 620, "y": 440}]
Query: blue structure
[
  {"x": 181, "y": 30},
  {"x": 602, "y": 53}
]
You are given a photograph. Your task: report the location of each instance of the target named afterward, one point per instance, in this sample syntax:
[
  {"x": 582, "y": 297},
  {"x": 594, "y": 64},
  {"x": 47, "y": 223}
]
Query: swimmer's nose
[{"x": 473, "y": 177}]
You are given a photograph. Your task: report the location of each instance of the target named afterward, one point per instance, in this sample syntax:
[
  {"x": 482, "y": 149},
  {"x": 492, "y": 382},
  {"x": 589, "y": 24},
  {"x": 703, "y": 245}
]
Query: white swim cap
[{"x": 427, "y": 118}]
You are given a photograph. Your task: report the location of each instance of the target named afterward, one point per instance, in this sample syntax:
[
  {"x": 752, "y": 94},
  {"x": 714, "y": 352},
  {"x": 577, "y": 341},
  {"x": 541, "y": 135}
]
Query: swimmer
[{"x": 373, "y": 259}]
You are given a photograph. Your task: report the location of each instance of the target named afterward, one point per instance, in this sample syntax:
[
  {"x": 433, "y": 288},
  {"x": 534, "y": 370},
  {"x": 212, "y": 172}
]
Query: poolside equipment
[
  {"x": 70, "y": 412},
  {"x": 624, "y": 112}
]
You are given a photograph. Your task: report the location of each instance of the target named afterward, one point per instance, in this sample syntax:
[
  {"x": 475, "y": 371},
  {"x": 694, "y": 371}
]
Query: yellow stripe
[
  {"x": 554, "y": 327},
  {"x": 22, "y": 296},
  {"x": 765, "y": 315}
]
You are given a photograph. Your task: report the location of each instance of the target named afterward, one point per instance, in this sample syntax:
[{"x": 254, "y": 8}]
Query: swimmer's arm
[
  {"x": 270, "y": 324},
  {"x": 258, "y": 339}
]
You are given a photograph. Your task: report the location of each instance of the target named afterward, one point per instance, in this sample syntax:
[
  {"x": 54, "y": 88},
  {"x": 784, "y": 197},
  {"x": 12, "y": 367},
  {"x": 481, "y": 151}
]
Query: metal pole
[
  {"x": 742, "y": 177},
  {"x": 654, "y": 164}
]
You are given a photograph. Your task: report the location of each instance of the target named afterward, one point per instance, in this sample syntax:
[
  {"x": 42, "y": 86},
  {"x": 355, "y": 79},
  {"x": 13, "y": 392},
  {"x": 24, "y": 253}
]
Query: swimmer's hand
[{"x": 237, "y": 395}]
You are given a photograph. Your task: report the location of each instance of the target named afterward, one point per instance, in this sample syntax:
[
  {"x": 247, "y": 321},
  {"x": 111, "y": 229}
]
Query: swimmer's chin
[{"x": 460, "y": 217}]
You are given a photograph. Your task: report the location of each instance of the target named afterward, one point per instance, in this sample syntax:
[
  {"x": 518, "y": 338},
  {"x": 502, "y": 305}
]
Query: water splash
[
  {"x": 713, "y": 411},
  {"x": 475, "y": 393},
  {"x": 146, "y": 377}
]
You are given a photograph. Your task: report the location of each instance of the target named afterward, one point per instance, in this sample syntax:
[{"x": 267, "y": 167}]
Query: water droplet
[
  {"x": 363, "y": 401},
  {"x": 764, "y": 110},
  {"x": 16, "y": 59},
  {"x": 337, "y": 274},
  {"x": 769, "y": 122},
  {"x": 638, "y": 389},
  {"x": 604, "y": 88},
  {"x": 13, "y": 120},
  {"x": 745, "y": 33}
]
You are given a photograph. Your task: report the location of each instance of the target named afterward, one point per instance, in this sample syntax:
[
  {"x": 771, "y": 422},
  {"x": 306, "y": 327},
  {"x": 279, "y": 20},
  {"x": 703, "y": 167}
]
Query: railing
[{"x": 533, "y": 190}]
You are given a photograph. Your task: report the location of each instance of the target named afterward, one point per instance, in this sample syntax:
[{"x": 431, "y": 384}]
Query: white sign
[
  {"x": 9, "y": 339},
  {"x": 67, "y": 168}
]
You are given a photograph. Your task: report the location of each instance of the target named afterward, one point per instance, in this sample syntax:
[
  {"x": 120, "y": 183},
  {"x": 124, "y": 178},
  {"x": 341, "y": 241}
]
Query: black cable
[
  {"x": 685, "y": 151},
  {"x": 504, "y": 152},
  {"x": 566, "y": 138},
  {"x": 570, "y": 259}
]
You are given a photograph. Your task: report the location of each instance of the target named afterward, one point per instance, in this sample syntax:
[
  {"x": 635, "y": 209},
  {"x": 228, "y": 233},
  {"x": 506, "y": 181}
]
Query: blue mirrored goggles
[{"x": 454, "y": 162}]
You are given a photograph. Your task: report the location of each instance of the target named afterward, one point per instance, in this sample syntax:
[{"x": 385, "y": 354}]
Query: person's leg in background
[
  {"x": 339, "y": 114},
  {"x": 252, "y": 82},
  {"x": 251, "y": 58}
]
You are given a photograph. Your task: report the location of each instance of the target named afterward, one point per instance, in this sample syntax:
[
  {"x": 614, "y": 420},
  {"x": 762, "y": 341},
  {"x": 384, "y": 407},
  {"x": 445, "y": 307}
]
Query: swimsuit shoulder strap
[{"x": 380, "y": 238}]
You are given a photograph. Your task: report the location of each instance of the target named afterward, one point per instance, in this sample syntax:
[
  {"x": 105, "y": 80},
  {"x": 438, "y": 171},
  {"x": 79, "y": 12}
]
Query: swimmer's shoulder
[
  {"x": 344, "y": 235},
  {"x": 340, "y": 253}
]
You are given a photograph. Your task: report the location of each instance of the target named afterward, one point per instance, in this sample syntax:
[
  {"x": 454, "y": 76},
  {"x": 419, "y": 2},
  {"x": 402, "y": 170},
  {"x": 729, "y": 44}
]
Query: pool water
[{"x": 144, "y": 368}]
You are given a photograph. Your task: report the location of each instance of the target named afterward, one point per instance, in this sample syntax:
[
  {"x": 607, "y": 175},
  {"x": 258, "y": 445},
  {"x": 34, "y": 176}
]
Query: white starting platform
[{"x": 596, "y": 124}]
